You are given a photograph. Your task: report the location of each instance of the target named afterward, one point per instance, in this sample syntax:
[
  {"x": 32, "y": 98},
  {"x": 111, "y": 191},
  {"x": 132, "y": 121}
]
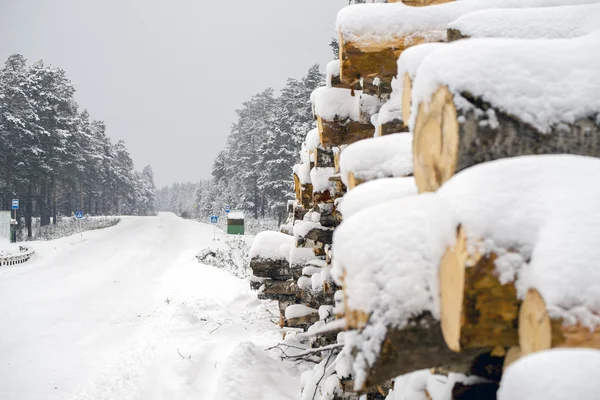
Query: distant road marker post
[
  {"x": 13, "y": 223},
  {"x": 79, "y": 217},
  {"x": 214, "y": 219}
]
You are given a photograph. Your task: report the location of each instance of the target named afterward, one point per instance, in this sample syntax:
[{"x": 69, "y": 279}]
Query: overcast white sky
[{"x": 166, "y": 76}]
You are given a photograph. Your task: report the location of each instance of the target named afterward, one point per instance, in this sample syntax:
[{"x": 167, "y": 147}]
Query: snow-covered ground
[{"x": 128, "y": 313}]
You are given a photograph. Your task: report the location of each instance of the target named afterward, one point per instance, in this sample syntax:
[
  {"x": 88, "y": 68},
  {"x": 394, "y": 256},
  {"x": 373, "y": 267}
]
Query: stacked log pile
[{"x": 442, "y": 291}]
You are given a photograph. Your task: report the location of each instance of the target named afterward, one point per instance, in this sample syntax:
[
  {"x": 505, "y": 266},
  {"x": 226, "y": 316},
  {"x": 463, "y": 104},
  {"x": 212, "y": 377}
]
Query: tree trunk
[
  {"x": 29, "y": 210},
  {"x": 449, "y": 139}
]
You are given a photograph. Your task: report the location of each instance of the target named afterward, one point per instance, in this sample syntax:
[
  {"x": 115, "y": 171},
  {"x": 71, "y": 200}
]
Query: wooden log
[
  {"x": 455, "y": 34},
  {"x": 406, "y": 97},
  {"x": 303, "y": 193},
  {"x": 336, "y": 162},
  {"x": 324, "y": 158},
  {"x": 391, "y": 127},
  {"x": 319, "y": 234},
  {"x": 268, "y": 268},
  {"x": 537, "y": 331},
  {"x": 370, "y": 59},
  {"x": 448, "y": 139},
  {"x": 477, "y": 311},
  {"x": 299, "y": 213},
  {"x": 353, "y": 181},
  {"x": 476, "y": 391},
  {"x": 346, "y": 131},
  {"x": 419, "y": 345},
  {"x": 278, "y": 290},
  {"x": 327, "y": 212},
  {"x": 512, "y": 355}
]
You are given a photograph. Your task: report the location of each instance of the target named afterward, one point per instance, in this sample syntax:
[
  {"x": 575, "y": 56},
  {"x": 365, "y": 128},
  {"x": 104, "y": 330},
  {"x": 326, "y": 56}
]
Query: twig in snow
[
  {"x": 220, "y": 325},
  {"x": 181, "y": 355},
  {"x": 323, "y": 375}
]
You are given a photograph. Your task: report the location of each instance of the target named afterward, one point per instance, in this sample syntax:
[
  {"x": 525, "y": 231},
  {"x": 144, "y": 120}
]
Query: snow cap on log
[
  {"x": 550, "y": 23},
  {"x": 320, "y": 178},
  {"x": 386, "y": 22},
  {"x": 553, "y": 375},
  {"x": 333, "y": 71},
  {"x": 381, "y": 157},
  {"x": 269, "y": 245},
  {"x": 302, "y": 171},
  {"x": 388, "y": 254},
  {"x": 334, "y": 104},
  {"x": 312, "y": 140},
  {"x": 513, "y": 75},
  {"x": 376, "y": 192}
]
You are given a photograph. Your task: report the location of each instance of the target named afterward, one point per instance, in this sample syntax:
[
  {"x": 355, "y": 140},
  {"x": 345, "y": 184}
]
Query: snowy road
[{"x": 128, "y": 313}]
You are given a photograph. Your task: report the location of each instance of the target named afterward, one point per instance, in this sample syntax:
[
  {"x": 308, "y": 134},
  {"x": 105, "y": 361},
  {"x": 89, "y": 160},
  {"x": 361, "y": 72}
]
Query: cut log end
[
  {"x": 477, "y": 310},
  {"x": 436, "y": 141},
  {"x": 452, "y": 285},
  {"x": 406, "y": 97},
  {"x": 535, "y": 327}
]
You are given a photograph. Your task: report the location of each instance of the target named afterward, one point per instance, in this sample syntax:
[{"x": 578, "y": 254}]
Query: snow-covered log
[
  {"x": 302, "y": 185},
  {"x": 338, "y": 116},
  {"x": 477, "y": 310},
  {"x": 278, "y": 290},
  {"x": 269, "y": 255},
  {"x": 381, "y": 157},
  {"x": 548, "y": 23},
  {"x": 300, "y": 316},
  {"x": 541, "y": 241},
  {"x": 480, "y": 100},
  {"x": 372, "y": 36},
  {"x": 323, "y": 188},
  {"x": 553, "y": 375},
  {"x": 307, "y": 231},
  {"x": 333, "y": 79}
]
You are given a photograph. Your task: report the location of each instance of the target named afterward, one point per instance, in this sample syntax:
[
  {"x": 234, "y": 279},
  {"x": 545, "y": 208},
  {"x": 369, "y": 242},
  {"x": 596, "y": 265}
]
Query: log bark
[
  {"x": 394, "y": 126},
  {"x": 268, "y": 268},
  {"x": 346, "y": 131},
  {"x": 329, "y": 215},
  {"x": 368, "y": 59},
  {"x": 417, "y": 346},
  {"x": 448, "y": 140},
  {"x": 455, "y": 34},
  {"x": 537, "y": 331},
  {"x": 278, "y": 290},
  {"x": 321, "y": 234},
  {"x": 477, "y": 311},
  {"x": 324, "y": 158}
]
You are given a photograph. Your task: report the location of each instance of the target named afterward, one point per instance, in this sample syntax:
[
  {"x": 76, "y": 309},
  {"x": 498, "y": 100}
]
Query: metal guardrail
[{"x": 19, "y": 258}]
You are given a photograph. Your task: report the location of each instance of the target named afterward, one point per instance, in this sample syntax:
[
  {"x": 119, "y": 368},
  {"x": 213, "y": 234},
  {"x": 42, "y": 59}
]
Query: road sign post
[
  {"x": 214, "y": 220},
  {"x": 13, "y": 223},
  {"x": 79, "y": 217},
  {"x": 227, "y": 209}
]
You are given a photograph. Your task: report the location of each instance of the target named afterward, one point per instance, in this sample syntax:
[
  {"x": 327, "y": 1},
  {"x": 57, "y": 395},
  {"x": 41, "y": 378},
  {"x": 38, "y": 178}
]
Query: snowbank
[
  {"x": 378, "y": 23},
  {"x": 380, "y": 157},
  {"x": 553, "y": 375},
  {"x": 336, "y": 104},
  {"x": 550, "y": 23},
  {"x": 376, "y": 192},
  {"x": 514, "y": 76},
  {"x": 270, "y": 245}
]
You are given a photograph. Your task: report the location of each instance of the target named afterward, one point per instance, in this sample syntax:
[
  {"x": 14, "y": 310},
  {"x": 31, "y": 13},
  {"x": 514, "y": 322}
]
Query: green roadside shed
[{"x": 235, "y": 223}]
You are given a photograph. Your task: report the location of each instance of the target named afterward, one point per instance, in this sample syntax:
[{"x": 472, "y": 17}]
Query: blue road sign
[
  {"x": 15, "y": 204},
  {"x": 227, "y": 209},
  {"x": 79, "y": 214},
  {"x": 214, "y": 219}
]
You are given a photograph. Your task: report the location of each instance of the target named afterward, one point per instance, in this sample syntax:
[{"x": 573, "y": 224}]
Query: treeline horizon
[
  {"x": 253, "y": 173},
  {"x": 54, "y": 159}
]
